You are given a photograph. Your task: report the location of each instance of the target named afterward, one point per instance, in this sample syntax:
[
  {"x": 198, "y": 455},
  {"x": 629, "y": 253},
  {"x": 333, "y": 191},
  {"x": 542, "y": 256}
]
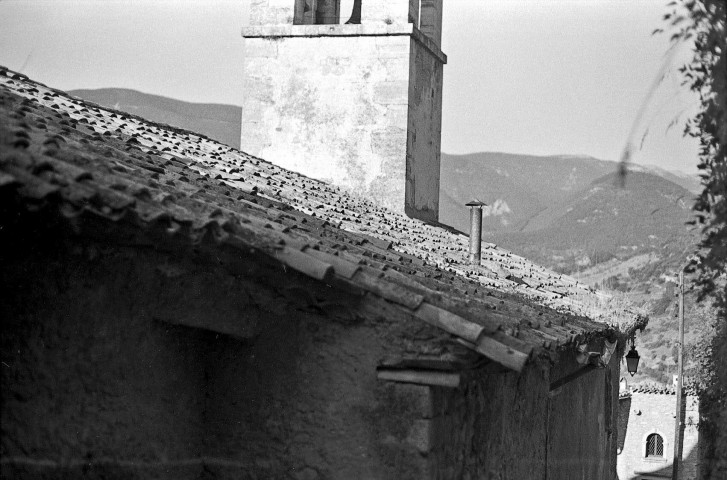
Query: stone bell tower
[{"x": 349, "y": 91}]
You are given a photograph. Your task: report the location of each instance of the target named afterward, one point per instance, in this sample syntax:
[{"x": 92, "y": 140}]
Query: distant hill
[
  {"x": 217, "y": 121},
  {"x": 605, "y": 221},
  {"x": 684, "y": 180},
  {"x": 517, "y": 187},
  {"x": 571, "y": 214}
]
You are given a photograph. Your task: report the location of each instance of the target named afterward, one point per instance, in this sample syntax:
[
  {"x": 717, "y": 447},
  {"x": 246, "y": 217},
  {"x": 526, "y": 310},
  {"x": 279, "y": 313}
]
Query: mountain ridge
[{"x": 216, "y": 120}]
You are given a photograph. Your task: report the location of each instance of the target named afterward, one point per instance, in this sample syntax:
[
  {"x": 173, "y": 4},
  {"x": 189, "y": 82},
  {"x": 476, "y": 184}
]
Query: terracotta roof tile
[
  {"x": 661, "y": 389},
  {"x": 123, "y": 165}
]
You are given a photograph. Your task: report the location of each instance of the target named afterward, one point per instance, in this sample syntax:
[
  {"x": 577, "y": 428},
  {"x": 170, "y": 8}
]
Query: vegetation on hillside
[
  {"x": 706, "y": 74},
  {"x": 632, "y": 235},
  {"x": 658, "y": 342}
]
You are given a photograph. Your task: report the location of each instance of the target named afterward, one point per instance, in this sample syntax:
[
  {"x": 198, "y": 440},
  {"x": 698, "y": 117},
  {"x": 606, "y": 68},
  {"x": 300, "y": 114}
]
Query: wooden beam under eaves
[
  {"x": 501, "y": 353},
  {"x": 432, "y": 378},
  {"x": 512, "y": 357},
  {"x": 482, "y": 341}
]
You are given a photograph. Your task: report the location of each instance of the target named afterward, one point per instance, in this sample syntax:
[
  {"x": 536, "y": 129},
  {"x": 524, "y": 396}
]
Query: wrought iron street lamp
[{"x": 632, "y": 360}]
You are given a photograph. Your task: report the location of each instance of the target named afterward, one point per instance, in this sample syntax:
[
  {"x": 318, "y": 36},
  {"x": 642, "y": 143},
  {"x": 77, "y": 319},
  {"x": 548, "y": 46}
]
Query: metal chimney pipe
[{"x": 475, "y": 231}]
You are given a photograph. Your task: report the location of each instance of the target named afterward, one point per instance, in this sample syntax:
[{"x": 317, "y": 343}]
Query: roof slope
[
  {"x": 58, "y": 149},
  {"x": 662, "y": 389}
]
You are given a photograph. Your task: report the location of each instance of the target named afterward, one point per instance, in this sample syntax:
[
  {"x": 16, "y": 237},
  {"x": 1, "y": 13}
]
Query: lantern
[{"x": 632, "y": 360}]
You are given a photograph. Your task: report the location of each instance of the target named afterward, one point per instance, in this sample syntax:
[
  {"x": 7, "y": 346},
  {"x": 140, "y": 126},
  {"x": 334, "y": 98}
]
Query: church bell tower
[{"x": 350, "y": 92}]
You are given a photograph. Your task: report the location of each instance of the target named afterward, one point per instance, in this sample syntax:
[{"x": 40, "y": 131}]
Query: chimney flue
[{"x": 475, "y": 231}]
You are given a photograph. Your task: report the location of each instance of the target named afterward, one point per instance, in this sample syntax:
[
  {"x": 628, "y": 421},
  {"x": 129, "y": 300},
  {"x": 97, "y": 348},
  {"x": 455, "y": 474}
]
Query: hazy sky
[{"x": 524, "y": 76}]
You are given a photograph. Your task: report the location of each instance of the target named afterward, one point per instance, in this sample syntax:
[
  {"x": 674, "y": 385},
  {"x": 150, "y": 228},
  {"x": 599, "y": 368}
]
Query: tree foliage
[{"x": 703, "y": 21}]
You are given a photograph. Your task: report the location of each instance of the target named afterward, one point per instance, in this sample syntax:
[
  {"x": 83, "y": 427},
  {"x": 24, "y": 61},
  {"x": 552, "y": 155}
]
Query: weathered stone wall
[
  {"x": 582, "y": 436},
  {"x": 98, "y": 381},
  {"x": 655, "y": 413},
  {"x": 333, "y": 108},
  {"x": 424, "y": 134}
]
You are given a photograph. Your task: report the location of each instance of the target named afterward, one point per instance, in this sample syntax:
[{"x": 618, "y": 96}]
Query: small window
[{"x": 654, "y": 445}]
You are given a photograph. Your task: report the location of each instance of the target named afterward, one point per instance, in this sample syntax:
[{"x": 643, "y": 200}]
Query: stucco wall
[
  {"x": 624, "y": 413},
  {"x": 655, "y": 413},
  {"x": 494, "y": 428},
  {"x": 359, "y": 106},
  {"x": 117, "y": 364},
  {"x": 582, "y": 422},
  {"x": 97, "y": 381},
  {"x": 333, "y": 108},
  {"x": 91, "y": 383},
  {"x": 507, "y": 425}
]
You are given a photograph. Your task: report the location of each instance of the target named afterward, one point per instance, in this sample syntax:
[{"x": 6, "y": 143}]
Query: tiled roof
[
  {"x": 661, "y": 389},
  {"x": 61, "y": 151}
]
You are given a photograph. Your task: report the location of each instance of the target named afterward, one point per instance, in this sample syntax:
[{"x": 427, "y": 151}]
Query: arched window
[{"x": 654, "y": 445}]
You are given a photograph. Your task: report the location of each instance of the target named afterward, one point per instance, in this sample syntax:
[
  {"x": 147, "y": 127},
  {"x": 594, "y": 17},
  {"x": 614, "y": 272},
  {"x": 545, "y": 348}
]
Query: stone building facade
[
  {"x": 356, "y": 104},
  {"x": 646, "y": 434}
]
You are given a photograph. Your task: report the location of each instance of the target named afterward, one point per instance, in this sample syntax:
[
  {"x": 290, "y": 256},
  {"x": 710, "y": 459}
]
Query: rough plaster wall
[
  {"x": 88, "y": 377},
  {"x": 493, "y": 428},
  {"x": 654, "y": 413},
  {"x": 583, "y": 434},
  {"x": 582, "y": 422},
  {"x": 333, "y": 108},
  {"x": 424, "y": 134},
  {"x": 304, "y": 401},
  {"x": 96, "y": 384},
  {"x": 498, "y": 426}
]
